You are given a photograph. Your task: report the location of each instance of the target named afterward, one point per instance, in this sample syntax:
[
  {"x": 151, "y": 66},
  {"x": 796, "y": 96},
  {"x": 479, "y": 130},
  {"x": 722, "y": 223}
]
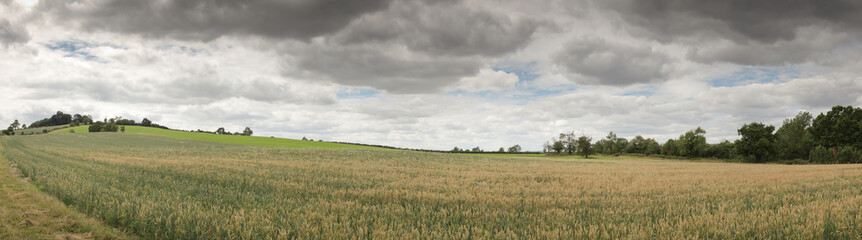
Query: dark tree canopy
[
  {"x": 756, "y": 143},
  {"x": 841, "y": 126}
]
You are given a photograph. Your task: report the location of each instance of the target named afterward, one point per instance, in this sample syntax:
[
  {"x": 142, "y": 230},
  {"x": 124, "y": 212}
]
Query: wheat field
[{"x": 164, "y": 188}]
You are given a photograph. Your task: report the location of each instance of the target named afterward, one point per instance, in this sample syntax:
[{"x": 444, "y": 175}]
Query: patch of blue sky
[
  {"x": 752, "y": 75},
  {"x": 79, "y": 49},
  {"x": 525, "y": 71},
  {"x": 354, "y": 92}
]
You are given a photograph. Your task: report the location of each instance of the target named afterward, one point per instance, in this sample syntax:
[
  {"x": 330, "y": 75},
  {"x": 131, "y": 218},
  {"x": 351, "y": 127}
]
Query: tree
[
  {"x": 584, "y": 145},
  {"x": 756, "y": 143},
  {"x": 110, "y": 127},
  {"x": 123, "y": 128},
  {"x": 610, "y": 143},
  {"x": 841, "y": 126},
  {"x": 15, "y": 124},
  {"x": 23, "y": 126},
  {"x": 514, "y": 149},
  {"x": 146, "y": 122},
  {"x": 693, "y": 143},
  {"x": 455, "y": 149},
  {"x": 792, "y": 140},
  {"x": 501, "y": 150},
  {"x": 95, "y": 127},
  {"x": 221, "y": 131},
  {"x": 247, "y": 131},
  {"x": 670, "y": 148},
  {"x": 638, "y": 144},
  {"x": 477, "y": 149},
  {"x": 568, "y": 140},
  {"x": 652, "y": 147},
  {"x": 558, "y": 146}
]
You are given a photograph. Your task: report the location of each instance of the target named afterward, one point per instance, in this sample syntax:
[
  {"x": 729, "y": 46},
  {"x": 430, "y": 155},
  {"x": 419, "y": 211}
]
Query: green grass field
[
  {"x": 168, "y": 188},
  {"x": 31, "y": 131},
  {"x": 233, "y": 139}
]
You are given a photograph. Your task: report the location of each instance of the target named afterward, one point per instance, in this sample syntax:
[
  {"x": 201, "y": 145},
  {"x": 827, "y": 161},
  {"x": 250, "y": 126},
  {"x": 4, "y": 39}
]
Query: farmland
[
  {"x": 233, "y": 139},
  {"x": 166, "y": 188}
]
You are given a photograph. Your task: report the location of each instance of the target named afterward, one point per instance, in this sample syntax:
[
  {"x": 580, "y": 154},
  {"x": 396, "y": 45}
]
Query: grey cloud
[
  {"x": 11, "y": 34},
  {"x": 763, "y": 21},
  {"x": 765, "y": 33},
  {"x": 210, "y": 19},
  {"x": 383, "y": 68},
  {"x": 442, "y": 29},
  {"x": 606, "y": 63}
]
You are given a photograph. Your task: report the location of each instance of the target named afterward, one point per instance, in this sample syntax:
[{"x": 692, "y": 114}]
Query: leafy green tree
[
  {"x": 247, "y": 132},
  {"x": 146, "y": 122},
  {"x": 569, "y": 140},
  {"x": 670, "y": 148},
  {"x": 841, "y": 126},
  {"x": 792, "y": 140},
  {"x": 514, "y": 149},
  {"x": 123, "y": 128},
  {"x": 96, "y": 127},
  {"x": 693, "y": 143},
  {"x": 756, "y": 143},
  {"x": 584, "y": 146},
  {"x": 558, "y": 146},
  {"x": 15, "y": 124},
  {"x": 638, "y": 144},
  {"x": 110, "y": 127},
  {"x": 620, "y": 145},
  {"x": 477, "y": 149},
  {"x": 221, "y": 131},
  {"x": 610, "y": 143}
]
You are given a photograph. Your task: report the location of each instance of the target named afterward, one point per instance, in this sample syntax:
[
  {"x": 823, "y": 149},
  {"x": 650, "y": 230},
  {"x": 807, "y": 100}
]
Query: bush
[
  {"x": 848, "y": 155},
  {"x": 44, "y": 130}
]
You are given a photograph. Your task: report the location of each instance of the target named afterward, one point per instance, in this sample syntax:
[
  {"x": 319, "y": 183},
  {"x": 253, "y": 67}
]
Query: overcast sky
[{"x": 430, "y": 73}]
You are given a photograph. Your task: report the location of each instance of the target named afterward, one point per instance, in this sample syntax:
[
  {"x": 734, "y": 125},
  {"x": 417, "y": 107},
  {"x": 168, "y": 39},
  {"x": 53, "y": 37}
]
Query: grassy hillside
[
  {"x": 243, "y": 140},
  {"x": 31, "y": 131},
  {"x": 168, "y": 188},
  {"x": 26, "y": 213}
]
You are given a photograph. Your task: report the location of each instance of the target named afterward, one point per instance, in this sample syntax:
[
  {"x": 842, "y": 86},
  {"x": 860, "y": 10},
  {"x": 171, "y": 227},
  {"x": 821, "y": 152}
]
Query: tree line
[{"x": 833, "y": 137}]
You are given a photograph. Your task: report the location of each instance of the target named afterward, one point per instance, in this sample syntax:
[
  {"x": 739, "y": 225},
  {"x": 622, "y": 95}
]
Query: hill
[{"x": 233, "y": 139}]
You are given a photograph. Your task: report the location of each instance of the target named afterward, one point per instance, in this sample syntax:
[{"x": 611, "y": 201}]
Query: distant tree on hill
[
  {"x": 306, "y": 139},
  {"x": 15, "y": 124},
  {"x": 146, "y": 122},
  {"x": 24, "y": 126},
  {"x": 221, "y": 131},
  {"x": 247, "y": 131},
  {"x": 95, "y": 127},
  {"x": 477, "y": 149},
  {"x": 501, "y": 150}
]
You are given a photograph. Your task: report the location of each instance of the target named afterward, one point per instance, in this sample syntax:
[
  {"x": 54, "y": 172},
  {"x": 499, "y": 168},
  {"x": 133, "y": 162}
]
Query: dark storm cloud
[
  {"x": 210, "y": 19},
  {"x": 10, "y": 34},
  {"x": 759, "y": 32},
  {"x": 753, "y": 20},
  {"x": 606, "y": 63}
]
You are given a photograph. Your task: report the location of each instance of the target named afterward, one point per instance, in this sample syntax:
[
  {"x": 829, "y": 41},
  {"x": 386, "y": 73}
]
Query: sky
[{"x": 432, "y": 74}]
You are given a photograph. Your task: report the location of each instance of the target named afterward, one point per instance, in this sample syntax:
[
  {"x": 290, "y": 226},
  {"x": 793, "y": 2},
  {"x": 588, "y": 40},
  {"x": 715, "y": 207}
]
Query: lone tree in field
[
  {"x": 220, "y": 131},
  {"x": 501, "y": 150},
  {"x": 247, "y": 132},
  {"x": 756, "y": 144},
  {"x": 584, "y": 146},
  {"x": 146, "y": 122},
  {"x": 514, "y": 149}
]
